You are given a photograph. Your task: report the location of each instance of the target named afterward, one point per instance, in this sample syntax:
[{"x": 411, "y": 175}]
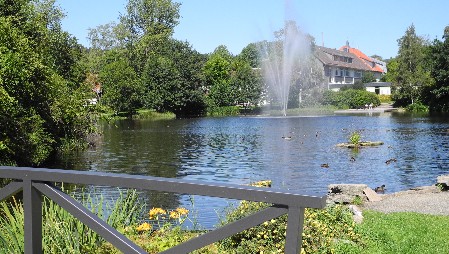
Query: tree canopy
[{"x": 42, "y": 103}]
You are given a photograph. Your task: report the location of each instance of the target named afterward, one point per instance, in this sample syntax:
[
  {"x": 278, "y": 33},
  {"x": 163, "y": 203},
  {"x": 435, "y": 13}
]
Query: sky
[{"x": 371, "y": 26}]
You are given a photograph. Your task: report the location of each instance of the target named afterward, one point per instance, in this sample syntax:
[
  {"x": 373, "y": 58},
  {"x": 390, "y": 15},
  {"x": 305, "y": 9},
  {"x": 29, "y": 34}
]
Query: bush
[
  {"x": 417, "y": 107},
  {"x": 384, "y": 98},
  {"x": 324, "y": 229},
  {"x": 350, "y": 98},
  {"x": 223, "y": 111},
  {"x": 62, "y": 232}
]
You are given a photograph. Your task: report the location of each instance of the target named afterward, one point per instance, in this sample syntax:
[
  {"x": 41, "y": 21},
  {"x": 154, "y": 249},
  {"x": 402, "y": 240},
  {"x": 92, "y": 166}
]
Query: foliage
[
  {"x": 403, "y": 233},
  {"x": 250, "y": 54},
  {"x": 62, "y": 232},
  {"x": 383, "y": 98},
  {"x": 355, "y": 138},
  {"x": 412, "y": 72},
  {"x": 223, "y": 111},
  {"x": 122, "y": 91},
  {"x": 173, "y": 80},
  {"x": 162, "y": 231},
  {"x": 321, "y": 228},
  {"x": 150, "y": 17},
  {"x": 368, "y": 77},
  {"x": 217, "y": 75},
  {"x": 417, "y": 107},
  {"x": 437, "y": 96},
  {"x": 42, "y": 101},
  {"x": 350, "y": 98},
  {"x": 246, "y": 83}
]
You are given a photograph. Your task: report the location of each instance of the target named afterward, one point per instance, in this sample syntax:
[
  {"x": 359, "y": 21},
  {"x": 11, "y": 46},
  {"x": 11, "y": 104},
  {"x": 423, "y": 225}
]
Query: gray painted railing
[{"x": 36, "y": 181}]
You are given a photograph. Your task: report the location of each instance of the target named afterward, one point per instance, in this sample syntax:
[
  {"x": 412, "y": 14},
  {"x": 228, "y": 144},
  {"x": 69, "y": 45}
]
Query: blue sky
[{"x": 371, "y": 26}]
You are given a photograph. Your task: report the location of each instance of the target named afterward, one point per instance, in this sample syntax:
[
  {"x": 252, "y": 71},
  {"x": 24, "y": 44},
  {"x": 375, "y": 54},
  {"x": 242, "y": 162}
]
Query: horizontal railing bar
[
  {"x": 228, "y": 230},
  {"x": 10, "y": 189},
  {"x": 222, "y": 190},
  {"x": 91, "y": 220}
]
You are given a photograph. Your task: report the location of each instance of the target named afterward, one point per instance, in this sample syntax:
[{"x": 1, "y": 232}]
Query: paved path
[
  {"x": 384, "y": 107},
  {"x": 427, "y": 200}
]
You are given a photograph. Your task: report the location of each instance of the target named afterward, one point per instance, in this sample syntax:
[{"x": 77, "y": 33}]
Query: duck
[
  {"x": 324, "y": 165},
  {"x": 287, "y": 138},
  {"x": 380, "y": 189},
  {"x": 352, "y": 159},
  {"x": 390, "y": 161}
]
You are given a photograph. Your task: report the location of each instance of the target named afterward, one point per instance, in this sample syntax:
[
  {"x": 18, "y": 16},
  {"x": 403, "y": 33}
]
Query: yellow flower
[
  {"x": 178, "y": 213},
  {"x": 155, "y": 212},
  {"x": 144, "y": 227},
  {"x": 182, "y": 211},
  {"x": 174, "y": 215}
]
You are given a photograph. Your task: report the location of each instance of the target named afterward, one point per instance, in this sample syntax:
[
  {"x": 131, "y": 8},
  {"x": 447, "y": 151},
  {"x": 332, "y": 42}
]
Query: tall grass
[{"x": 62, "y": 233}]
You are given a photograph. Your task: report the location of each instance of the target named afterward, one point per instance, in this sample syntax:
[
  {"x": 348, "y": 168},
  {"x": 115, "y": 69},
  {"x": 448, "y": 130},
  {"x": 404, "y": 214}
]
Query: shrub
[
  {"x": 350, "y": 98},
  {"x": 223, "y": 111},
  {"x": 62, "y": 232},
  {"x": 355, "y": 138},
  {"x": 324, "y": 229},
  {"x": 384, "y": 98},
  {"x": 417, "y": 107}
]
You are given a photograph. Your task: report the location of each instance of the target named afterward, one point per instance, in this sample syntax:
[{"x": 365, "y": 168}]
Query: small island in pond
[{"x": 360, "y": 144}]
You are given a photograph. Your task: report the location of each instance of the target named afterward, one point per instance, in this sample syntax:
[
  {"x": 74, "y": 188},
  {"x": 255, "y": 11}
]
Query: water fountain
[{"x": 281, "y": 62}]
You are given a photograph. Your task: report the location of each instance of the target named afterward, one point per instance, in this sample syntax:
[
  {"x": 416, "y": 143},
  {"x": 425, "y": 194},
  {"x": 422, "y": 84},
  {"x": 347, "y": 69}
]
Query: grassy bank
[{"x": 405, "y": 233}]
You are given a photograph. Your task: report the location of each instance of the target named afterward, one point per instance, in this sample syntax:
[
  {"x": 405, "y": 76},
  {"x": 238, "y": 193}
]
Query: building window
[
  {"x": 337, "y": 73},
  {"x": 327, "y": 72},
  {"x": 358, "y": 74},
  {"x": 346, "y": 73}
]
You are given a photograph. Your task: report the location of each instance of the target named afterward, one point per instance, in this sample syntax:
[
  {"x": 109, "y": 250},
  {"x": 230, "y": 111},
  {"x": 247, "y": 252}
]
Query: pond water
[{"x": 241, "y": 150}]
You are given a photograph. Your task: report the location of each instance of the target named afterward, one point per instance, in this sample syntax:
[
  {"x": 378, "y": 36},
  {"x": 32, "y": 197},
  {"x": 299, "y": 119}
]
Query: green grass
[{"x": 398, "y": 233}]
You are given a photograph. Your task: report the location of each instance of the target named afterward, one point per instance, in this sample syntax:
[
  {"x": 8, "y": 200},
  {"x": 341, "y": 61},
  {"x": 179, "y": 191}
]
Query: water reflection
[{"x": 241, "y": 150}]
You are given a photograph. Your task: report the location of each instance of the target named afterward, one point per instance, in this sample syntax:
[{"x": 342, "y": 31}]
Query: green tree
[
  {"x": 245, "y": 82},
  {"x": 40, "y": 112},
  {"x": 217, "y": 76},
  {"x": 437, "y": 96},
  {"x": 122, "y": 90},
  {"x": 173, "y": 80},
  {"x": 392, "y": 74},
  {"x": 147, "y": 25},
  {"x": 412, "y": 72},
  {"x": 250, "y": 54},
  {"x": 368, "y": 77}
]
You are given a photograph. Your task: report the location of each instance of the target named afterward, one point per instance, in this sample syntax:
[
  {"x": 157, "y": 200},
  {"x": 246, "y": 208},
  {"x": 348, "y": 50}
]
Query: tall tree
[
  {"x": 122, "y": 89},
  {"x": 173, "y": 80},
  {"x": 217, "y": 76},
  {"x": 438, "y": 94},
  {"x": 39, "y": 111},
  {"x": 245, "y": 82},
  {"x": 412, "y": 72},
  {"x": 148, "y": 25}
]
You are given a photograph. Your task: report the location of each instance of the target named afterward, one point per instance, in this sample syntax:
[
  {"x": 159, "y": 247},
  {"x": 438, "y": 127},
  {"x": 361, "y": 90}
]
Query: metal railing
[{"x": 36, "y": 181}]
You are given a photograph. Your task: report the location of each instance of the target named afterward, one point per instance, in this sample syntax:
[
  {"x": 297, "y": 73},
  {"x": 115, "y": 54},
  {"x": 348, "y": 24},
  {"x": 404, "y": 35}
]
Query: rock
[
  {"x": 371, "y": 195},
  {"x": 443, "y": 182},
  {"x": 345, "y": 193},
  {"x": 357, "y": 213}
]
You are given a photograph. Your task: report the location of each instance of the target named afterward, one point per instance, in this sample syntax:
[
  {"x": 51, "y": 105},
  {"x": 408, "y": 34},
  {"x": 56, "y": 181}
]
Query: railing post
[
  {"x": 295, "y": 222},
  {"x": 32, "y": 206}
]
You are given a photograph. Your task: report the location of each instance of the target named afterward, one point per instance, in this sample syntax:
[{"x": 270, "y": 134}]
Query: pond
[{"x": 242, "y": 150}]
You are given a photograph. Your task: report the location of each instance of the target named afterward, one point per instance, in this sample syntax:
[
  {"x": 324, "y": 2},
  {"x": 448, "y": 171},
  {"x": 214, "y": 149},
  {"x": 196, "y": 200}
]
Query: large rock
[
  {"x": 443, "y": 182},
  {"x": 345, "y": 193}
]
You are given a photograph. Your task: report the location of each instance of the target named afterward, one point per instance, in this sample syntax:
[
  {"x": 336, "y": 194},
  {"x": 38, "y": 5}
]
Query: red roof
[{"x": 364, "y": 57}]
